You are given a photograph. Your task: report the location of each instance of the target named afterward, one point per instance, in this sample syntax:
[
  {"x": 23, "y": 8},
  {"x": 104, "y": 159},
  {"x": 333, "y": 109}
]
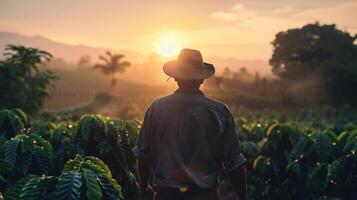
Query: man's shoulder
[
  {"x": 163, "y": 99},
  {"x": 218, "y": 106},
  {"x": 204, "y": 101}
]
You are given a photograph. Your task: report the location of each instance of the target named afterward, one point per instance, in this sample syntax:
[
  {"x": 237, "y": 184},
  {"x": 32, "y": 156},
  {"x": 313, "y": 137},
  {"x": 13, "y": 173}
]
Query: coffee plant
[
  {"x": 61, "y": 158},
  {"x": 290, "y": 162},
  {"x": 65, "y": 159}
]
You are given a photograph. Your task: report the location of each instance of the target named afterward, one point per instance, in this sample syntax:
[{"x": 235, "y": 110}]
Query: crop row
[{"x": 92, "y": 158}]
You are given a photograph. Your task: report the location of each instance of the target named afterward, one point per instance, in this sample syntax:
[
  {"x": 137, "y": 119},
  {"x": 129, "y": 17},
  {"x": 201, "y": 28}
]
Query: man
[{"x": 186, "y": 138}]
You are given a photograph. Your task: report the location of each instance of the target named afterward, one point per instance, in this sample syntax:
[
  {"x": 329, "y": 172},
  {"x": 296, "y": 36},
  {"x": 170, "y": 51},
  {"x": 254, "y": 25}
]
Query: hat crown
[{"x": 190, "y": 59}]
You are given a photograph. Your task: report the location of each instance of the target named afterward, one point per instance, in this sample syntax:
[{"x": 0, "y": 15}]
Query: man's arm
[
  {"x": 144, "y": 171},
  {"x": 238, "y": 178},
  {"x": 234, "y": 160},
  {"x": 142, "y": 151}
]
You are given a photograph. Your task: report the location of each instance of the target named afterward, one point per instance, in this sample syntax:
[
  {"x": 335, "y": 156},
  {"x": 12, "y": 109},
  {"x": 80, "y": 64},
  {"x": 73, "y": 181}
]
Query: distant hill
[
  {"x": 145, "y": 68},
  {"x": 70, "y": 53}
]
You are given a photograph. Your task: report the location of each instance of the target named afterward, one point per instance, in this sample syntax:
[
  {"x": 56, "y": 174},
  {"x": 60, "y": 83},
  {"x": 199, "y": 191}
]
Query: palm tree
[{"x": 113, "y": 64}]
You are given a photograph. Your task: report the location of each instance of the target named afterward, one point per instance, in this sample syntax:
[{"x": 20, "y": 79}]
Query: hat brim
[{"x": 172, "y": 69}]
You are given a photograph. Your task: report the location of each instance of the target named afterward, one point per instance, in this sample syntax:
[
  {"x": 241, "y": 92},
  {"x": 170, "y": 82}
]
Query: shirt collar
[{"x": 185, "y": 91}]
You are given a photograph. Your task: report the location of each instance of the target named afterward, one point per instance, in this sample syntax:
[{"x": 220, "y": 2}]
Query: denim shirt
[{"x": 189, "y": 139}]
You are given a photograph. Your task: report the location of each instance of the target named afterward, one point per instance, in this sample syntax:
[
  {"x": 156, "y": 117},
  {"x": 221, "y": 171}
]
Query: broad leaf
[
  {"x": 11, "y": 152},
  {"x": 31, "y": 191},
  {"x": 94, "y": 191},
  {"x": 68, "y": 186}
]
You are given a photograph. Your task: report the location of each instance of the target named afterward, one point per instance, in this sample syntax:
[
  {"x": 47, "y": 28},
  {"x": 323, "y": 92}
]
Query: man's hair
[{"x": 189, "y": 83}]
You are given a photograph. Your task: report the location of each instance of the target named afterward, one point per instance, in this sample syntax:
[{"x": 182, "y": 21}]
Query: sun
[{"x": 168, "y": 46}]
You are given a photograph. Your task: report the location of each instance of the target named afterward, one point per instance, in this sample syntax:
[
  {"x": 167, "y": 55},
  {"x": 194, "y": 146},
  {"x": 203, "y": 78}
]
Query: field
[
  {"x": 78, "y": 94},
  {"x": 297, "y": 154},
  {"x": 78, "y": 87},
  {"x": 79, "y": 145},
  {"x": 293, "y": 152},
  {"x": 297, "y": 128}
]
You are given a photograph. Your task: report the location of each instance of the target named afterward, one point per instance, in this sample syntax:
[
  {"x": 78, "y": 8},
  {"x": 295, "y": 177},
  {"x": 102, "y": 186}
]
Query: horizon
[
  {"x": 114, "y": 49},
  {"x": 247, "y": 27},
  {"x": 71, "y": 54}
]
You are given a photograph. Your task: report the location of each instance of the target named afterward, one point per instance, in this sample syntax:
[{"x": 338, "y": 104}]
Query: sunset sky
[{"x": 227, "y": 28}]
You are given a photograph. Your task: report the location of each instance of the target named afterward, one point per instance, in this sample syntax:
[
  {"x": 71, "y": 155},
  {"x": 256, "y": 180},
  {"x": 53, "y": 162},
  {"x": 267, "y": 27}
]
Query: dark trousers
[{"x": 199, "y": 194}]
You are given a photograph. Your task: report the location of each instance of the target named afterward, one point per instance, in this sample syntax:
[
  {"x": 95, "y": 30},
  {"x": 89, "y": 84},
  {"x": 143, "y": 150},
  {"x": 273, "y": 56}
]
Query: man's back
[{"x": 188, "y": 137}]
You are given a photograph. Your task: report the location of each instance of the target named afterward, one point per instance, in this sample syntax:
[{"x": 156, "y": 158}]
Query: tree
[
  {"x": 243, "y": 71},
  {"x": 112, "y": 65},
  {"x": 22, "y": 84},
  {"x": 321, "y": 54},
  {"x": 84, "y": 62},
  {"x": 227, "y": 73}
]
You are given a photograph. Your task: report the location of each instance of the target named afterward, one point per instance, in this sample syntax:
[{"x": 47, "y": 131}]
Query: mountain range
[{"x": 140, "y": 62}]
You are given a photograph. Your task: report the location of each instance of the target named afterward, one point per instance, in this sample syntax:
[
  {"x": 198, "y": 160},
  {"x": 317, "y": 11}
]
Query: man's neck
[{"x": 189, "y": 91}]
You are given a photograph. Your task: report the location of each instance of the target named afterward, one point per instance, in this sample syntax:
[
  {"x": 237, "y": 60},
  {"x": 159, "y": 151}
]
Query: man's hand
[
  {"x": 144, "y": 169},
  {"x": 239, "y": 181},
  {"x": 146, "y": 193}
]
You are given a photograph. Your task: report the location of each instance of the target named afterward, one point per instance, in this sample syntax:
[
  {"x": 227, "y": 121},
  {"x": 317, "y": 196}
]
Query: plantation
[
  {"x": 58, "y": 158},
  {"x": 71, "y": 108},
  {"x": 90, "y": 159}
]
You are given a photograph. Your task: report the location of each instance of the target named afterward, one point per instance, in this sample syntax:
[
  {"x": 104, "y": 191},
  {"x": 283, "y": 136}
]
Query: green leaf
[
  {"x": 43, "y": 162},
  {"x": 68, "y": 186},
  {"x": 250, "y": 149},
  {"x": 303, "y": 148},
  {"x": 72, "y": 164},
  {"x": 11, "y": 152},
  {"x": 94, "y": 192},
  {"x": 113, "y": 191},
  {"x": 16, "y": 123},
  {"x": 4, "y": 167},
  {"x": 23, "y": 163},
  {"x": 22, "y": 115},
  {"x": 341, "y": 172},
  {"x": 317, "y": 179},
  {"x": 84, "y": 127},
  {"x": 257, "y": 132},
  {"x": 273, "y": 129},
  {"x": 261, "y": 165},
  {"x": 13, "y": 193},
  {"x": 323, "y": 147},
  {"x": 351, "y": 147},
  {"x": 47, "y": 186},
  {"x": 103, "y": 166},
  {"x": 25, "y": 146},
  {"x": 42, "y": 143},
  {"x": 30, "y": 191}
]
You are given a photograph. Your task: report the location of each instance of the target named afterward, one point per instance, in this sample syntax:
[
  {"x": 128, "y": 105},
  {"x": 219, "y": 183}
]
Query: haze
[{"x": 239, "y": 29}]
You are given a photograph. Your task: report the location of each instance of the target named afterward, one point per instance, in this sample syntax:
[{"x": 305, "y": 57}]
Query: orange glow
[{"x": 168, "y": 45}]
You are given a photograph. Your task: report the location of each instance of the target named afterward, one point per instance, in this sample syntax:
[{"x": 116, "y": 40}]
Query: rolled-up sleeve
[
  {"x": 142, "y": 149},
  {"x": 233, "y": 157}
]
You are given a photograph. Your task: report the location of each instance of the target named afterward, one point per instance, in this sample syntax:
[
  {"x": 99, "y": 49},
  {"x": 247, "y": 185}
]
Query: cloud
[
  {"x": 298, "y": 5},
  {"x": 283, "y": 10},
  {"x": 228, "y": 16},
  {"x": 238, "y": 12},
  {"x": 343, "y": 15},
  {"x": 261, "y": 25},
  {"x": 280, "y": 8}
]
